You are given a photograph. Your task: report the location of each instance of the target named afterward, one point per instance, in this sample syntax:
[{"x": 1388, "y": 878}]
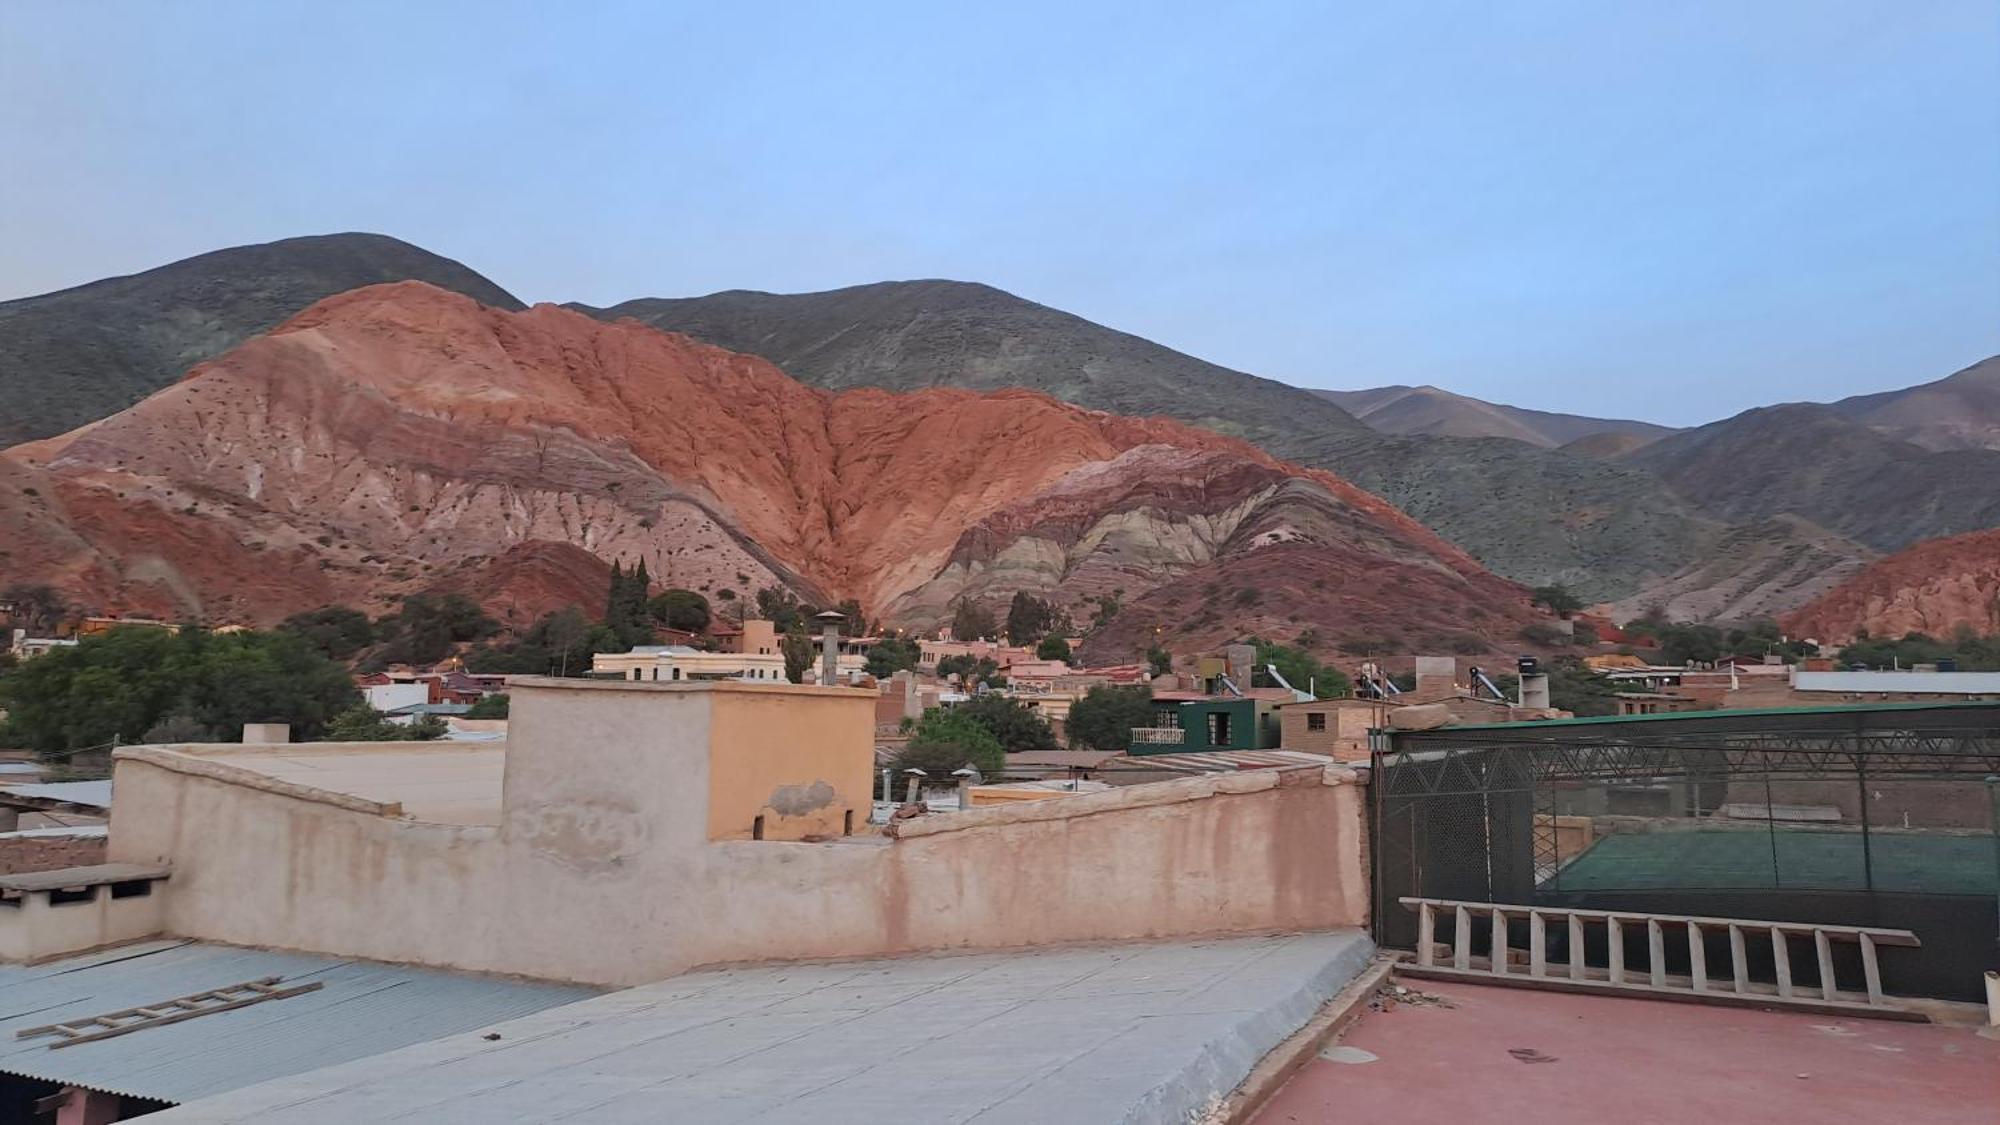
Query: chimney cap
[{"x": 829, "y": 616}]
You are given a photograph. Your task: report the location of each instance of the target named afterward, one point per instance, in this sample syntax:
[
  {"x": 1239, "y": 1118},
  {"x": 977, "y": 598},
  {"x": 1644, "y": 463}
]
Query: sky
[{"x": 1665, "y": 211}]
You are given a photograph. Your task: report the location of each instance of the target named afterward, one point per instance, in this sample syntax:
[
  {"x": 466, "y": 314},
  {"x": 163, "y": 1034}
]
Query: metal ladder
[
  {"x": 127, "y": 1020},
  {"x": 1653, "y": 980}
]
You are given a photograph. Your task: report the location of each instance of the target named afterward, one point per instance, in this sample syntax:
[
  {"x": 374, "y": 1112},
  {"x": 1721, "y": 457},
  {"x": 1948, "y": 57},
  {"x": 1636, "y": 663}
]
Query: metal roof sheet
[
  {"x": 363, "y": 1009},
  {"x": 96, "y": 794},
  {"x": 90, "y": 876}
]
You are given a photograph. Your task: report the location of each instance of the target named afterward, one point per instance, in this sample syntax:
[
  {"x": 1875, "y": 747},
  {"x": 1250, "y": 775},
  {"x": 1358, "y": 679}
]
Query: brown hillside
[
  {"x": 1934, "y": 587},
  {"x": 390, "y": 438}
]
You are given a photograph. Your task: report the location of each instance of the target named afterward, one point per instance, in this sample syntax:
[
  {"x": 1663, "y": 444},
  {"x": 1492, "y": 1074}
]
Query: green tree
[
  {"x": 1682, "y": 643},
  {"x": 1159, "y": 661},
  {"x": 782, "y": 609},
  {"x": 971, "y": 671},
  {"x": 1016, "y": 725},
  {"x": 426, "y": 627},
  {"x": 1053, "y": 647},
  {"x": 557, "y": 644},
  {"x": 1030, "y": 618},
  {"x": 336, "y": 630},
  {"x": 1300, "y": 669},
  {"x": 798, "y": 652},
  {"x": 946, "y": 739},
  {"x": 37, "y": 608},
  {"x": 625, "y": 610},
  {"x": 891, "y": 655},
  {"x": 126, "y": 682},
  {"x": 490, "y": 707},
  {"x": 1103, "y": 719},
  {"x": 1557, "y": 599},
  {"x": 680, "y": 609},
  {"x": 971, "y": 621},
  {"x": 365, "y": 724}
]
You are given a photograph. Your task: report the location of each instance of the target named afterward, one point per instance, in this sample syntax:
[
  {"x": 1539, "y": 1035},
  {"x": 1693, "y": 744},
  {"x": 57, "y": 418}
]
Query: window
[
  {"x": 1316, "y": 721},
  {"x": 677, "y": 673},
  {"x": 635, "y": 673},
  {"x": 757, "y": 828},
  {"x": 1218, "y": 728},
  {"x": 64, "y": 896},
  {"x": 132, "y": 888}
]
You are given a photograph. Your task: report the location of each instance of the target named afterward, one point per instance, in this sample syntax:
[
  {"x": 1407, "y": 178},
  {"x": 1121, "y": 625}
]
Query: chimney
[{"x": 829, "y": 645}]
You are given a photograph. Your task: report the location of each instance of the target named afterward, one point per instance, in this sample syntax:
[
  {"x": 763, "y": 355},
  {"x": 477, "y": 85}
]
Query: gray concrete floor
[{"x": 1128, "y": 1033}]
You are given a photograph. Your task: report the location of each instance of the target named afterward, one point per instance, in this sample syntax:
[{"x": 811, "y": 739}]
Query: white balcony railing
[{"x": 1158, "y": 736}]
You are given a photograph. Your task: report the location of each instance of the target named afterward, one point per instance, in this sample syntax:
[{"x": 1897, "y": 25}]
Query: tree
[
  {"x": 852, "y": 623},
  {"x": 557, "y": 644},
  {"x": 36, "y": 608},
  {"x": 625, "y": 612},
  {"x": 971, "y": 671},
  {"x": 1103, "y": 719},
  {"x": 1013, "y": 723},
  {"x": 680, "y": 609},
  {"x": 798, "y": 652},
  {"x": 891, "y": 655},
  {"x": 490, "y": 707},
  {"x": 427, "y": 626},
  {"x": 1029, "y": 618},
  {"x": 1159, "y": 661},
  {"x": 1681, "y": 644},
  {"x": 365, "y": 724},
  {"x": 971, "y": 621},
  {"x": 336, "y": 630},
  {"x": 126, "y": 682},
  {"x": 1052, "y": 647},
  {"x": 1300, "y": 669},
  {"x": 782, "y": 609},
  {"x": 947, "y": 739},
  {"x": 1557, "y": 599}
]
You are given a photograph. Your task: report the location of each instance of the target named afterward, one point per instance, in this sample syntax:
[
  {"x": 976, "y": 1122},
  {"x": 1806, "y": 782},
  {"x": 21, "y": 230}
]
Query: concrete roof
[
  {"x": 1103, "y": 1034},
  {"x": 362, "y": 1009},
  {"x": 1916, "y": 683},
  {"x": 444, "y": 782}
]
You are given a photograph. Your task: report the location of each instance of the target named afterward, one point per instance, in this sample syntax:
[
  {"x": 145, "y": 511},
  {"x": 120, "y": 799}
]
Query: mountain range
[
  {"x": 1435, "y": 412},
  {"x": 402, "y": 437},
  {"x": 1749, "y": 515},
  {"x": 77, "y": 355}
]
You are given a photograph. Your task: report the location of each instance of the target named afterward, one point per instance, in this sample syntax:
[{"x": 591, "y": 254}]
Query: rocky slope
[
  {"x": 1531, "y": 514},
  {"x": 1809, "y": 461},
  {"x": 1960, "y": 411},
  {"x": 81, "y": 354},
  {"x": 1757, "y": 570},
  {"x": 379, "y": 440},
  {"x": 1441, "y": 413},
  {"x": 1935, "y": 587}
]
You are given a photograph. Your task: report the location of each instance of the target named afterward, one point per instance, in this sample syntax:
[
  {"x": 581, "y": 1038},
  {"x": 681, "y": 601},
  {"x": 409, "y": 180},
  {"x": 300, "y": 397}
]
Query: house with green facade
[{"x": 1221, "y": 722}]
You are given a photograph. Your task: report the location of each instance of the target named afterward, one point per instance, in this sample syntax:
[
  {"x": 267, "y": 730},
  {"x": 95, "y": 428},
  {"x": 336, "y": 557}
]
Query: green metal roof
[{"x": 1743, "y": 712}]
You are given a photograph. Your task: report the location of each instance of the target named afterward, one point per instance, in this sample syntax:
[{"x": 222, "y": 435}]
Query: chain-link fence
[{"x": 1878, "y": 816}]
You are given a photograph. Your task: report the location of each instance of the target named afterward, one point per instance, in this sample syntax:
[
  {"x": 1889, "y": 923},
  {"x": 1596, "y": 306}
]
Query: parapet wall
[{"x": 574, "y": 896}]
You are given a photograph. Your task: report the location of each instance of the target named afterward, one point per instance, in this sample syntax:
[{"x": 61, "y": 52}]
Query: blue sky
[{"x": 1668, "y": 211}]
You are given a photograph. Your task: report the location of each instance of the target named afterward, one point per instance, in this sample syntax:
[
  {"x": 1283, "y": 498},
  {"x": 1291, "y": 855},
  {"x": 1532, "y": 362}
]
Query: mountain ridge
[
  {"x": 79, "y": 354},
  {"x": 388, "y": 439}
]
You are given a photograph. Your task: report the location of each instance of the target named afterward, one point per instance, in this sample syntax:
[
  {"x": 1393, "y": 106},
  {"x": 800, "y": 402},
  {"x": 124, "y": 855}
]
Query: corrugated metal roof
[
  {"x": 96, "y": 794},
  {"x": 364, "y": 1009}
]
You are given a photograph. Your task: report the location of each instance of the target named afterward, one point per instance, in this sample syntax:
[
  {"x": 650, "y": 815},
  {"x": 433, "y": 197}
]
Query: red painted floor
[{"x": 1546, "y": 1058}]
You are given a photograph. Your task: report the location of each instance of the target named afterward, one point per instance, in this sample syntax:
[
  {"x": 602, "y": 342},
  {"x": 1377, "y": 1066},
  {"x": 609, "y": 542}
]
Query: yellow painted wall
[{"x": 800, "y": 759}]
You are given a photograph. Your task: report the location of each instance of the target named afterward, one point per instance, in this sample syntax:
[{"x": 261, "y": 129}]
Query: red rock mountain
[
  {"x": 1934, "y": 587},
  {"x": 402, "y": 437}
]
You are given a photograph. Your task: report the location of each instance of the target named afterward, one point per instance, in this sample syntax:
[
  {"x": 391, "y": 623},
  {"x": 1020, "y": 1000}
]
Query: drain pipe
[{"x": 1992, "y": 999}]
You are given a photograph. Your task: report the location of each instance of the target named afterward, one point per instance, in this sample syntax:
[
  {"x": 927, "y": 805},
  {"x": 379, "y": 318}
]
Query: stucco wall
[
  {"x": 803, "y": 763},
  {"x": 602, "y": 870}
]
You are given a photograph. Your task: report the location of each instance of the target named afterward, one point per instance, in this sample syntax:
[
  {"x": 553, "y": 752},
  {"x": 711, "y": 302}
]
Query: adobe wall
[{"x": 602, "y": 870}]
